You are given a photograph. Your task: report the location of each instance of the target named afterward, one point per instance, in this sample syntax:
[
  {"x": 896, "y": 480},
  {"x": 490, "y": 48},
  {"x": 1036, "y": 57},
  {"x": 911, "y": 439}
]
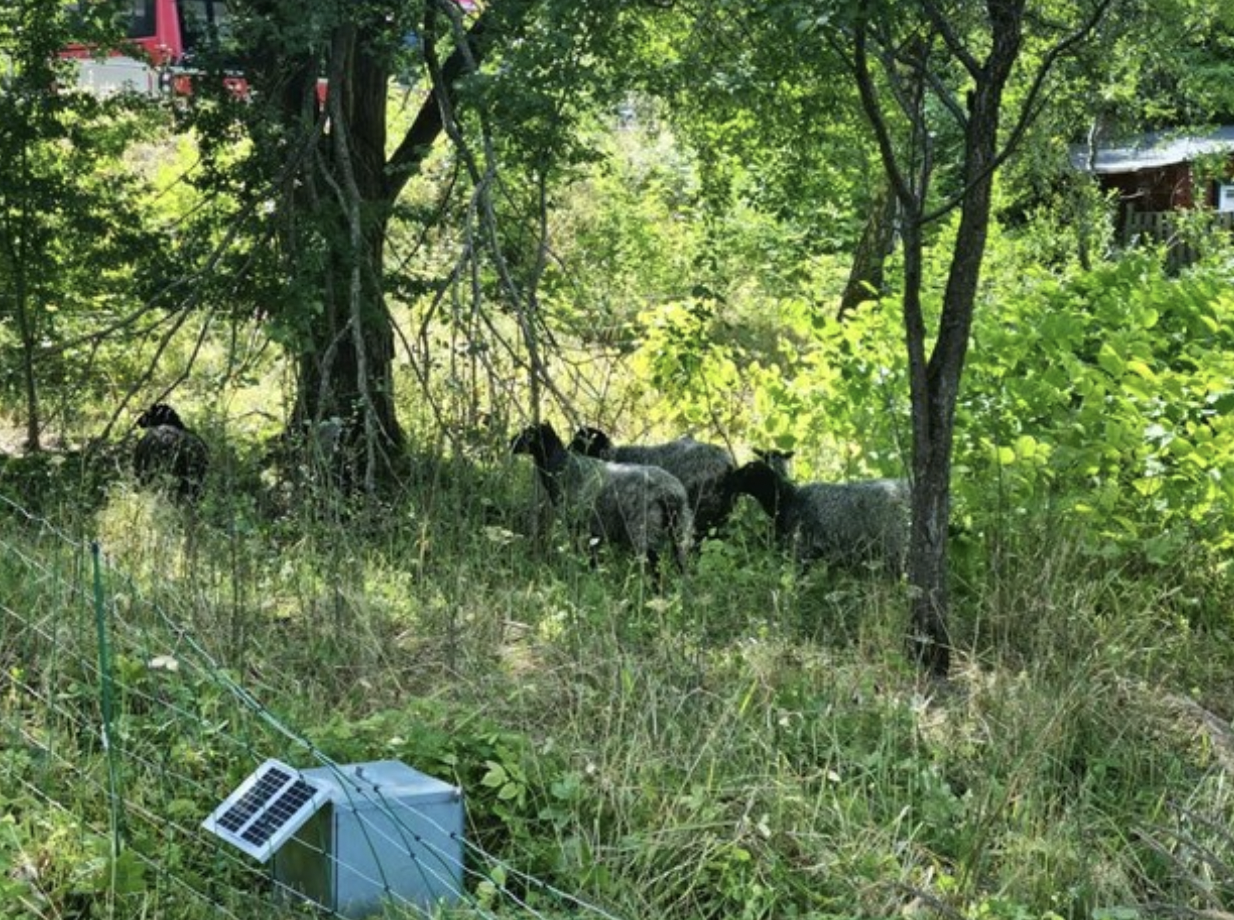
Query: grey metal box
[{"x": 388, "y": 832}]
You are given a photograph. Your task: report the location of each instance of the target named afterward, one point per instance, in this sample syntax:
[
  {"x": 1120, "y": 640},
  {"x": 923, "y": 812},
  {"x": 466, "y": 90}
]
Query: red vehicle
[
  {"x": 161, "y": 38},
  {"x": 162, "y": 35}
]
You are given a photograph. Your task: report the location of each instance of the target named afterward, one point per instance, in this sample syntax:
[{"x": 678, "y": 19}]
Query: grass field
[{"x": 751, "y": 743}]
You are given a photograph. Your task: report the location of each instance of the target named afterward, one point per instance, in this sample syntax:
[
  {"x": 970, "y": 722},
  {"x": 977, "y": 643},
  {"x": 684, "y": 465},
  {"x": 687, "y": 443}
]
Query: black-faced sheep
[
  {"x": 701, "y": 468},
  {"x": 641, "y": 507},
  {"x": 846, "y": 523},
  {"x": 777, "y": 459},
  {"x": 169, "y": 449}
]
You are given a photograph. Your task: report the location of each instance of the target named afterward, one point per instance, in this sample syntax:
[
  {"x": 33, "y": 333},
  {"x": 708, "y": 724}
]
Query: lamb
[
  {"x": 642, "y": 507},
  {"x": 846, "y": 524},
  {"x": 701, "y": 468},
  {"x": 170, "y": 449}
]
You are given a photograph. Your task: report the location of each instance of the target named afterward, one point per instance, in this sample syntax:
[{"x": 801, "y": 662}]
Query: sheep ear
[{"x": 774, "y": 454}]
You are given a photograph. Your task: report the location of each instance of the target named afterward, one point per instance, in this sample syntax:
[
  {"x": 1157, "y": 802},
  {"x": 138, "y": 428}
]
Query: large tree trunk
[
  {"x": 346, "y": 362},
  {"x": 339, "y": 188},
  {"x": 348, "y": 386}
]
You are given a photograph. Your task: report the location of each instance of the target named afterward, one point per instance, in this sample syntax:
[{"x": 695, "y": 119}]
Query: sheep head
[
  {"x": 762, "y": 481},
  {"x": 159, "y": 414},
  {"x": 540, "y": 441},
  {"x": 591, "y": 442}
]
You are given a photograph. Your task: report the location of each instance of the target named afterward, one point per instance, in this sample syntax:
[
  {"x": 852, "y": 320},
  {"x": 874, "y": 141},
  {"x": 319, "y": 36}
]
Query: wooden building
[{"x": 1158, "y": 174}]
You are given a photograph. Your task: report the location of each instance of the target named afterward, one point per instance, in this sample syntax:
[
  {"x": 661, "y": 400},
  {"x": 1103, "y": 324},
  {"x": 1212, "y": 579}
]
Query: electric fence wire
[{"x": 404, "y": 823}]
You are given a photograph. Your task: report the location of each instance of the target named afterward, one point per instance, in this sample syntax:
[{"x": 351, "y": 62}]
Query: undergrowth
[{"x": 749, "y": 743}]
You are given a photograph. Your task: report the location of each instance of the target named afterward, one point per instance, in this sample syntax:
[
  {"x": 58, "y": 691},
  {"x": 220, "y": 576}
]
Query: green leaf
[
  {"x": 1110, "y": 361},
  {"x": 496, "y": 777}
]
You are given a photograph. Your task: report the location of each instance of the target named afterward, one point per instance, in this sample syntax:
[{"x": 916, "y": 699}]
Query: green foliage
[
  {"x": 628, "y": 233},
  {"x": 1106, "y": 395},
  {"x": 1102, "y": 395},
  {"x": 836, "y": 388},
  {"x": 1179, "y": 72},
  {"x": 75, "y": 244},
  {"x": 749, "y": 744},
  {"x": 763, "y": 99}
]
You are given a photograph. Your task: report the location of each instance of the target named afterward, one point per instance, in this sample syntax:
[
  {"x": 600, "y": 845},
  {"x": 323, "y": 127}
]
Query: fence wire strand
[{"x": 117, "y": 718}]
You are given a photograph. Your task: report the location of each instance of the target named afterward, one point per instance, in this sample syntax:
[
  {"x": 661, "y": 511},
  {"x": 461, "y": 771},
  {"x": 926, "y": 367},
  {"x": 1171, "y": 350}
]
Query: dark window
[
  {"x": 202, "y": 21},
  {"x": 141, "y": 18}
]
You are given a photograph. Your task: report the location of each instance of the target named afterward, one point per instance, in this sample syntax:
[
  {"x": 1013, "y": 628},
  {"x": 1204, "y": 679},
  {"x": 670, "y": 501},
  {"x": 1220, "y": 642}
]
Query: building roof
[{"x": 1154, "y": 150}]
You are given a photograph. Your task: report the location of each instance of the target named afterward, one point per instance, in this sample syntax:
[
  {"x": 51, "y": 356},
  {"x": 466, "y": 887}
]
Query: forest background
[{"x": 426, "y": 225}]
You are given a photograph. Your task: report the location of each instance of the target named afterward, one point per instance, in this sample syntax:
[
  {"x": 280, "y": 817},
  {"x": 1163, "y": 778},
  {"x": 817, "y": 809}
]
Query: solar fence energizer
[{"x": 348, "y": 837}]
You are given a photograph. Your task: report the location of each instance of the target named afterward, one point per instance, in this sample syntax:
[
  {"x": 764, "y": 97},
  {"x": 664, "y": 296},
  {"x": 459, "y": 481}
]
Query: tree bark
[
  {"x": 929, "y": 638},
  {"x": 934, "y": 405},
  {"x": 935, "y": 383},
  {"x": 866, "y": 278},
  {"x": 346, "y": 364},
  {"x": 339, "y": 191}
]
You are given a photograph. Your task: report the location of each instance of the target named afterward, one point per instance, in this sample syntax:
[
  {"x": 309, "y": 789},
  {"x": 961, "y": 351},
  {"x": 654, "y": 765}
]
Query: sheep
[
  {"x": 777, "y": 459},
  {"x": 701, "y": 468},
  {"x": 846, "y": 524},
  {"x": 642, "y": 507},
  {"x": 168, "y": 448}
]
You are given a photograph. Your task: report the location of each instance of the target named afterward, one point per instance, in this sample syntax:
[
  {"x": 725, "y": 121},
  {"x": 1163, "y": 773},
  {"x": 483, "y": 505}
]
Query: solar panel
[{"x": 266, "y": 809}]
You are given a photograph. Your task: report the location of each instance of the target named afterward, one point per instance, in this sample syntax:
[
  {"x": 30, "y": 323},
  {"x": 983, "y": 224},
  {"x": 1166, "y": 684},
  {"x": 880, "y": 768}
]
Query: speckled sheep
[
  {"x": 169, "y": 449},
  {"x": 848, "y": 523},
  {"x": 642, "y": 507},
  {"x": 701, "y": 468}
]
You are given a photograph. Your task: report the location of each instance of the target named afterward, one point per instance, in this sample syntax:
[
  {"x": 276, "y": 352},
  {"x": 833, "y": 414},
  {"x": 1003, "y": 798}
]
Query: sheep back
[
  {"x": 638, "y": 506},
  {"x": 700, "y": 467},
  {"x": 849, "y": 523},
  {"x": 644, "y": 507},
  {"x": 168, "y": 449}
]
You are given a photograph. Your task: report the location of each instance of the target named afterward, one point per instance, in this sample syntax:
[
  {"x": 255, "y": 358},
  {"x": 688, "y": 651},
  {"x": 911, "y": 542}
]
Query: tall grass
[{"x": 750, "y": 743}]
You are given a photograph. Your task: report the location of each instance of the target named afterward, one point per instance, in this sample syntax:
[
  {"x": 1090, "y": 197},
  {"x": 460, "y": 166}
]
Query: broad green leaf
[{"x": 1110, "y": 361}]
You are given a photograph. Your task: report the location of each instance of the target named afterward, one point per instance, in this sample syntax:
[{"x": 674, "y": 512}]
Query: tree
[
  {"x": 756, "y": 93},
  {"x": 321, "y": 77},
  {"x": 929, "y": 59},
  {"x": 866, "y": 279},
  {"x": 326, "y": 171}
]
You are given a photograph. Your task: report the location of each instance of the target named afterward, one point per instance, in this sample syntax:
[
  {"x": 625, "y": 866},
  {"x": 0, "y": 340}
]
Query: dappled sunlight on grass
[{"x": 751, "y": 730}]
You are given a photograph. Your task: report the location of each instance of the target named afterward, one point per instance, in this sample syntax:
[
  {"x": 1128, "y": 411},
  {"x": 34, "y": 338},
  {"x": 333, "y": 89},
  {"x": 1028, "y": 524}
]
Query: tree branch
[
  {"x": 428, "y": 125},
  {"x": 869, "y": 102},
  {"x": 953, "y": 42},
  {"x": 1029, "y": 108}
]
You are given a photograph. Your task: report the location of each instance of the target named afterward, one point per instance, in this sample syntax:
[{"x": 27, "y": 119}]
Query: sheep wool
[
  {"x": 702, "y": 468},
  {"x": 847, "y": 523},
  {"x": 169, "y": 449},
  {"x": 642, "y": 507}
]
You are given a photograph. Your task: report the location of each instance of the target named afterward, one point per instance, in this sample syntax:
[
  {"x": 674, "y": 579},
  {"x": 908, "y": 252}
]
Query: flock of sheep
[
  {"x": 648, "y": 498},
  {"x": 653, "y": 498}
]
